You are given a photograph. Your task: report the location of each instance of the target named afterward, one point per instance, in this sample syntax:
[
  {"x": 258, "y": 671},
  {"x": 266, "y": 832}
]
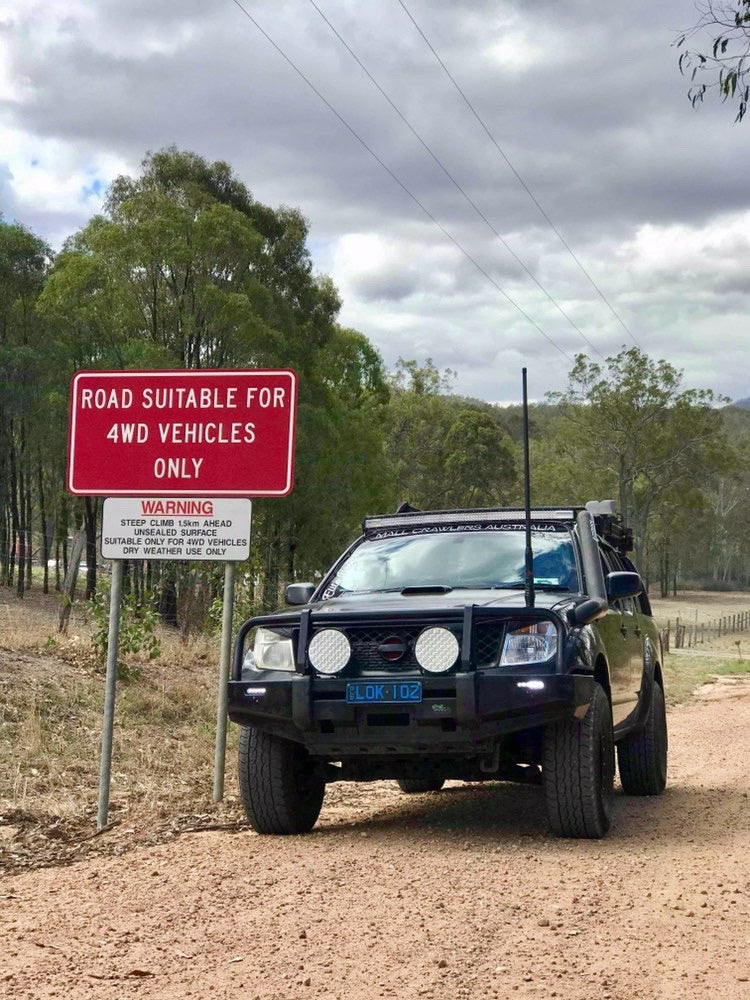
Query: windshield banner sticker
[{"x": 435, "y": 529}]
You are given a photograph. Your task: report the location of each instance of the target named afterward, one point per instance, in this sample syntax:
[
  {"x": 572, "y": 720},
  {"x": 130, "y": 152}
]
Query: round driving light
[
  {"x": 329, "y": 651},
  {"x": 436, "y": 650}
]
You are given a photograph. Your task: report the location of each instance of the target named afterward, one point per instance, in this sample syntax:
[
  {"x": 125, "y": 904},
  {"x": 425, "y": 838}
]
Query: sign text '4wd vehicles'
[{"x": 425, "y": 654}]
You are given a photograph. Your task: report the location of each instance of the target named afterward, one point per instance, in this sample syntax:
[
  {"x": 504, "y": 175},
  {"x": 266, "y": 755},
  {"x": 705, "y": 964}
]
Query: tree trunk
[
  {"x": 21, "y": 528},
  {"x": 89, "y": 517},
  {"x": 29, "y": 530},
  {"x": 71, "y": 578},
  {"x": 13, "y": 539},
  {"x": 168, "y": 596},
  {"x": 4, "y": 538},
  {"x": 45, "y": 529}
]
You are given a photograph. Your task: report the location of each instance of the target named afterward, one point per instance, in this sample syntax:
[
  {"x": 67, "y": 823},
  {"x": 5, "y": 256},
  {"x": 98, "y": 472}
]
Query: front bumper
[{"x": 462, "y": 713}]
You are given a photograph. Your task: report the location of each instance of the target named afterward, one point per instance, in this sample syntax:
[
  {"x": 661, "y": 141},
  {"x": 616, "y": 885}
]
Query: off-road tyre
[
  {"x": 413, "y": 786},
  {"x": 578, "y": 771},
  {"x": 642, "y": 756},
  {"x": 281, "y": 789}
]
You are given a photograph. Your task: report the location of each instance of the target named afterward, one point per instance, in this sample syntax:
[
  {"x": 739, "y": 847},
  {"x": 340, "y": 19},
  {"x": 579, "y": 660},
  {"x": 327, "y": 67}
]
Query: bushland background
[{"x": 186, "y": 270}]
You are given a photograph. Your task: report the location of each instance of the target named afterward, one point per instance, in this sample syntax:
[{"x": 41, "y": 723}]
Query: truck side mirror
[
  {"x": 622, "y": 584},
  {"x": 587, "y": 611},
  {"x": 299, "y": 593}
]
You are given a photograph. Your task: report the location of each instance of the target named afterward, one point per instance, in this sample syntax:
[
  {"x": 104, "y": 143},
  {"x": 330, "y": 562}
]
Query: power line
[
  {"x": 398, "y": 181},
  {"x": 455, "y": 183},
  {"x": 518, "y": 176}
]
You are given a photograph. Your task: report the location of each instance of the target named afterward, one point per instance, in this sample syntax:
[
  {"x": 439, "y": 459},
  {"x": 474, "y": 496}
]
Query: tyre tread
[
  {"x": 575, "y": 807},
  {"x": 267, "y": 771}
]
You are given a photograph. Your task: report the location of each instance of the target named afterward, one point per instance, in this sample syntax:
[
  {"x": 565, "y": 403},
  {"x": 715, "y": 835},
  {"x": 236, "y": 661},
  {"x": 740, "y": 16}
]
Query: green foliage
[
  {"x": 186, "y": 270},
  {"x": 723, "y": 65},
  {"x": 634, "y": 433},
  {"x": 442, "y": 450},
  {"x": 137, "y": 636}
]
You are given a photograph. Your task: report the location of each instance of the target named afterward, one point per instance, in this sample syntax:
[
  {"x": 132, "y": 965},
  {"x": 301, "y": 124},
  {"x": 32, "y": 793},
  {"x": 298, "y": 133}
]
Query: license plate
[{"x": 383, "y": 692}]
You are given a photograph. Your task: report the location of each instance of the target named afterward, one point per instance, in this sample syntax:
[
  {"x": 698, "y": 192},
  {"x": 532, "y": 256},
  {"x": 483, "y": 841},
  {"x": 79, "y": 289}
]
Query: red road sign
[{"x": 194, "y": 433}]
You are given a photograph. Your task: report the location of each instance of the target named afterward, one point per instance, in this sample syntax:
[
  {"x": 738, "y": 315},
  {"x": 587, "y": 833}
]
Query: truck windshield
[{"x": 460, "y": 559}]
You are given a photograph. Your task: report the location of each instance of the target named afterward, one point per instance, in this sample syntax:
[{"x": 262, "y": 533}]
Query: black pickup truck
[{"x": 423, "y": 656}]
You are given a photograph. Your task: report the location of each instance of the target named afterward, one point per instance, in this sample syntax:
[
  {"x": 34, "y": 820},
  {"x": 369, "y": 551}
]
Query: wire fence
[{"x": 687, "y": 635}]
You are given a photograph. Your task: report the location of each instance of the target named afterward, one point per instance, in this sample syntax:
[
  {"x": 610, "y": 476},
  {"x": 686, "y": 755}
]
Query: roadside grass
[
  {"x": 684, "y": 672},
  {"x": 162, "y": 757},
  {"x": 51, "y": 703}
]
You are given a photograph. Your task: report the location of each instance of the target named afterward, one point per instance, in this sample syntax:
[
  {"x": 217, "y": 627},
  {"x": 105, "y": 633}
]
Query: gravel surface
[{"x": 458, "y": 894}]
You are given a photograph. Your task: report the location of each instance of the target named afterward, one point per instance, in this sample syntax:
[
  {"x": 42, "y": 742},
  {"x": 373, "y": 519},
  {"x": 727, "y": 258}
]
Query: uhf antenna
[{"x": 529, "y": 555}]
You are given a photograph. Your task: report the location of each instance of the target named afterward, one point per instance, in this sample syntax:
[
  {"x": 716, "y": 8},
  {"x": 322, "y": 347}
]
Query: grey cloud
[
  {"x": 7, "y": 198},
  {"x": 597, "y": 122},
  {"x": 391, "y": 285}
]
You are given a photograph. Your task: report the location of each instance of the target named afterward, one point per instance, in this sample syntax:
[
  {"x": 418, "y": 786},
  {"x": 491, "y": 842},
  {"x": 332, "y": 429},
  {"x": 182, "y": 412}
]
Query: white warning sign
[{"x": 176, "y": 528}]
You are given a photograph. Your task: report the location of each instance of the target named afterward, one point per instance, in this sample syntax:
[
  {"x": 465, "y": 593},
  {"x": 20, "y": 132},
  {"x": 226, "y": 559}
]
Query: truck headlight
[
  {"x": 529, "y": 644},
  {"x": 271, "y": 651}
]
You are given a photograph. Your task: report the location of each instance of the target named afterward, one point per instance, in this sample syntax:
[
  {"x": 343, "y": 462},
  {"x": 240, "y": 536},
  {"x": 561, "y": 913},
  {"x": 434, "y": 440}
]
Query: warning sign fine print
[
  {"x": 179, "y": 528},
  {"x": 215, "y": 433}
]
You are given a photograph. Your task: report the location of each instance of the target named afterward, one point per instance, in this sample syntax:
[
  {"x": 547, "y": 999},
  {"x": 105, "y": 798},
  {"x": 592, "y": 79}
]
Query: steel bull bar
[{"x": 490, "y": 701}]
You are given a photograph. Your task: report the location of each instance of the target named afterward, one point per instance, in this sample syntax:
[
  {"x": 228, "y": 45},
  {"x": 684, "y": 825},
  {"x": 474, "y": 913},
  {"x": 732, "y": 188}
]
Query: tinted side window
[
  {"x": 612, "y": 563},
  {"x": 644, "y": 605}
]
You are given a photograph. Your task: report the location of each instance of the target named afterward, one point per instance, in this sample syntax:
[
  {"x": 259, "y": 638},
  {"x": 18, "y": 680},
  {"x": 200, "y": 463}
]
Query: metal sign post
[
  {"x": 113, "y": 644},
  {"x": 222, "y": 699}
]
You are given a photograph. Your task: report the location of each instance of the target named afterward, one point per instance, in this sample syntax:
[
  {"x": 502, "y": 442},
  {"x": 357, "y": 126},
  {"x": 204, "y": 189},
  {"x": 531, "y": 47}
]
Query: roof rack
[{"x": 608, "y": 523}]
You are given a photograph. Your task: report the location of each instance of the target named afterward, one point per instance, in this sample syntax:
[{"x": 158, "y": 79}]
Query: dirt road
[{"x": 459, "y": 894}]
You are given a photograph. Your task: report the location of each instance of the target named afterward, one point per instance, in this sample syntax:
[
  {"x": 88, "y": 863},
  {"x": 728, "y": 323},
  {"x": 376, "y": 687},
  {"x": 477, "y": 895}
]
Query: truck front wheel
[
  {"x": 281, "y": 789},
  {"x": 579, "y": 771}
]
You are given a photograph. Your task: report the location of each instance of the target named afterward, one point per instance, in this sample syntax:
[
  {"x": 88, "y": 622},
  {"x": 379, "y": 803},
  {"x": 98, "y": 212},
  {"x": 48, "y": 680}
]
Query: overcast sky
[{"x": 583, "y": 98}]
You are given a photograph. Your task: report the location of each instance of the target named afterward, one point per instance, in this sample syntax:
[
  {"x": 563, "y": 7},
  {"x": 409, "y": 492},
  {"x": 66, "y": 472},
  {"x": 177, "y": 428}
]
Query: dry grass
[
  {"x": 699, "y": 606},
  {"x": 703, "y": 607},
  {"x": 51, "y": 701},
  {"x": 684, "y": 672}
]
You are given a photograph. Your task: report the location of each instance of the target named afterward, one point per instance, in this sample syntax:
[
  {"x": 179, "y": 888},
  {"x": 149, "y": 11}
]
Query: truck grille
[{"x": 390, "y": 649}]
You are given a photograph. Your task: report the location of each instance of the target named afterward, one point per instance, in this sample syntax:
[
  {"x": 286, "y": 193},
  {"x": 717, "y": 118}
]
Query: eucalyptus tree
[
  {"x": 184, "y": 269},
  {"x": 443, "y": 450},
  {"x": 715, "y": 53},
  {"x": 631, "y": 425}
]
